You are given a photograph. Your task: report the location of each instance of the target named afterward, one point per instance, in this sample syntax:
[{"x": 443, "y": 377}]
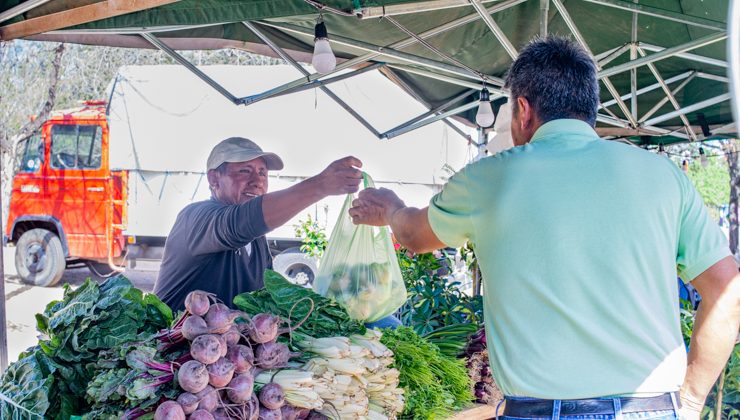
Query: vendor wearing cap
[{"x": 219, "y": 245}]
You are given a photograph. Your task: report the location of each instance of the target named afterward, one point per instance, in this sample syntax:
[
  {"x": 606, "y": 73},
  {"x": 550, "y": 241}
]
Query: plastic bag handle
[{"x": 367, "y": 181}]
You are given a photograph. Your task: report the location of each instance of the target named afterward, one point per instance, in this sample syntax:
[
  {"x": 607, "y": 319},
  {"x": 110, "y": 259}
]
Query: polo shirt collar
[{"x": 564, "y": 126}]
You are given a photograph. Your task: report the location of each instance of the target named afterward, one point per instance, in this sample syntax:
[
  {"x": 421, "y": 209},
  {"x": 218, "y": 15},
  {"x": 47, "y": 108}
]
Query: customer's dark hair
[{"x": 558, "y": 78}]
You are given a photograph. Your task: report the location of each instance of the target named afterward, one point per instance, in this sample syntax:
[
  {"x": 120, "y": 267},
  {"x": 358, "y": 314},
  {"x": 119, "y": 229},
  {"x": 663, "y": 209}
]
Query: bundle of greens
[
  {"x": 289, "y": 301},
  {"x": 434, "y": 384},
  {"x": 51, "y": 379}
]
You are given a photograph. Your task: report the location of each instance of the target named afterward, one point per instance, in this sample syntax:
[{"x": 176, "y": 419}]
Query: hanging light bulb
[
  {"x": 685, "y": 166},
  {"x": 485, "y": 116},
  {"x": 323, "y": 59},
  {"x": 661, "y": 149},
  {"x": 703, "y": 158}
]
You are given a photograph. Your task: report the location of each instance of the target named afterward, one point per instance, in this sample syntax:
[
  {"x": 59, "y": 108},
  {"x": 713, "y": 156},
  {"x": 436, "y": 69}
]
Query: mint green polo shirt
[{"x": 580, "y": 241}]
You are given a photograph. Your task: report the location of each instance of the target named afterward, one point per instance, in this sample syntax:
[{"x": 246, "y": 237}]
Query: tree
[{"x": 36, "y": 77}]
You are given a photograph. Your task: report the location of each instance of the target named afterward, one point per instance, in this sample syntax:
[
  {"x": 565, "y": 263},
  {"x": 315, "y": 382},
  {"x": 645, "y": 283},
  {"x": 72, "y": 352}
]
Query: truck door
[{"x": 77, "y": 186}]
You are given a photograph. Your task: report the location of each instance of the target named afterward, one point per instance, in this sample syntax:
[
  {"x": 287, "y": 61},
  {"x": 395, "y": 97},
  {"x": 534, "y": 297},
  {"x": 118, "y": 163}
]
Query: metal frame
[
  {"x": 668, "y": 52},
  {"x": 397, "y": 45},
  {"x": 493, "y": 26},
  {"x": 20, "y": 9},
  {"x": 733, "y": 57},
  {"x": 661, "y": 13},
  {"x": 669, "y": 95},
  {"x": 182, "y": 60},
  {"x": 279, "y": 51}
]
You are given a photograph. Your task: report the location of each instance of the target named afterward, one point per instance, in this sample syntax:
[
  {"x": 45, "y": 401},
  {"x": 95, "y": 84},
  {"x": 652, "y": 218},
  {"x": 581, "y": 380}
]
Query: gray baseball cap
[{"x": 239, "y": 149}]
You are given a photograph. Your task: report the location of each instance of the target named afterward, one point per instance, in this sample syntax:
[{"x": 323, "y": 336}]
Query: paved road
[{"x": 23, "y": 302}]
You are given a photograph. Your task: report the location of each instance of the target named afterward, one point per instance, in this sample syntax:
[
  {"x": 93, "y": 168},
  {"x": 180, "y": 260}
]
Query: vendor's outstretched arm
[
  {"x": 382, "y": 207},
  {"x": 715, "y": 331},
  {"x": 340, "y": 177}
]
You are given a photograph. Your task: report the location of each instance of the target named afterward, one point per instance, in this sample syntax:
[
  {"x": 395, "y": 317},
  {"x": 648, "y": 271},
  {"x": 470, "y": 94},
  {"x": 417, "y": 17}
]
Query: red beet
[
  {"x": 242, "y": 358},
  {"x": 272, "y": 396},
  {"x": 192, "y": 376},
  {"x": 201, "y": 415},
  {"x": 169, "y": 410},
  {"x": 188, "y": 402},
  {"x": 240, "y": 388},
  {"x": 206, "y": 348},
  {"x": 197, "y": 302},
  {"x": 221, "y": 372},
  {"x": 271, "y": 355}
]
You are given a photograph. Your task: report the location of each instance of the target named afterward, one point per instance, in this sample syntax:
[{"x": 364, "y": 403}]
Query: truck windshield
[
  {"x": 30, "y": 154},
  {"x": 76, "y": 146}
]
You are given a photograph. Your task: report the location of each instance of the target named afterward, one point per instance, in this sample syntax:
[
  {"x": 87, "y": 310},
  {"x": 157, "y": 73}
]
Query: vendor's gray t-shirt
[{"x": 217, "y": 248}]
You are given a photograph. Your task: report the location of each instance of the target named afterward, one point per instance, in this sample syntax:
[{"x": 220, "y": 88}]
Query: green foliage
[
  {"x": 75, "y": 331},
  {"x": 434, "y": 384},
  {"x": 433, "y": 300},
  {"x": 712, "y": 182},
  {"x": 731, "y": 387},
  {"x": 292, "y": 302},
  {"x": 313, "y": 236}
]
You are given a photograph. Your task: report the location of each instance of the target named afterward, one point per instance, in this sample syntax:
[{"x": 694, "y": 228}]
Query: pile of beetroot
[{"x": 227, "y": 350}]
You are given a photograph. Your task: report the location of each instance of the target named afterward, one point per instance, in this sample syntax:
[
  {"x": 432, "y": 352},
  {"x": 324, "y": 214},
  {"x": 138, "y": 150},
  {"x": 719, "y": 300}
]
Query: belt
[{"x": 544, "y": 408}]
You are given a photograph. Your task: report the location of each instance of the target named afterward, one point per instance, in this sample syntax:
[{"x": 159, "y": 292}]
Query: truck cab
[{"x": 66, "y": 204}]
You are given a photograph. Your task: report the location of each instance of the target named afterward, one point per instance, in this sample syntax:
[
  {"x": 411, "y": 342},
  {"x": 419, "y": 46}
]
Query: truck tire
[
  {"x": 296, "y": 266},
  {"x": 39, "y": 258}
]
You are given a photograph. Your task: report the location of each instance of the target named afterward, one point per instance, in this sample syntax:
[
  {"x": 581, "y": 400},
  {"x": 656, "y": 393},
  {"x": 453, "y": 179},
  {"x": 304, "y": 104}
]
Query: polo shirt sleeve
[
  {"x": 701, "y": 242},
  {"x": 450, "y": 211}
]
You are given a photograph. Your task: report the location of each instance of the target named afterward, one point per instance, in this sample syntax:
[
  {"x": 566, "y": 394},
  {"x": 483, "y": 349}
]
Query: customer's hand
[
  {"x": 375, "y": 207},
  {"x": 686, "y": 413},
  {"x": 340, "y": 177},
  {"x": 690, "y": 407}
]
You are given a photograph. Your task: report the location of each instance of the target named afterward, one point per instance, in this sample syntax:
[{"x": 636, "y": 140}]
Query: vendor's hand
[
  {"x": 375, "y": 207},
  {"x": 340, "y": 177}
]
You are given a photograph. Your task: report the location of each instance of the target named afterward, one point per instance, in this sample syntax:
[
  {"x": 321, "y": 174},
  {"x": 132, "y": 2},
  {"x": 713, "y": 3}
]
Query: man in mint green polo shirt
[{"x": 580, "y": 241}]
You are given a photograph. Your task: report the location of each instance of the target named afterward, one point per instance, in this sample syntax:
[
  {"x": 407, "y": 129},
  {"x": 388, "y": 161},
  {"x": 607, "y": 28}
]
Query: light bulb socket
[
  {"x": 320, "y": 31},
  {"x": 485, "y": 96},
  {"x": 701, "y": 151},
  {"x": 661, "y": 149}
]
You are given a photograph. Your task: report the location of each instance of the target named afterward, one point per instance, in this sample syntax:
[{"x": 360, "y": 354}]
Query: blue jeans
[
  {"x": 388, "y": 322},
  {"x": 618, "y": 415}
]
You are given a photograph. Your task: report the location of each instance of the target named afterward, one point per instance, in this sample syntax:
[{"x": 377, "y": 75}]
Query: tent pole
[
  {"x": 21, "y": 8},
  {"x": 688, "y": 56},
  {"x": 390, "y": 52},
  {"x": 544, "y": 16},
  {"x": 654, "y": 86},
  {"x": 661, "y": 13},
  {"x": 325, "y": 82},
  {"x": 633, "y": 72},
  {"x": 668, "y": 52},
  {"x": 419, "y": 124},
  {"x": 436, "y": 110},
  {"x": 669, "y": 95},
  {"x": 444, "y": 78},
  {"x": 733, "y": 57},
  {"x": 607, "y": 56},
  {"x": 180, "y": 59},
  {"x": 402, "y": 9},
  {"x": 662, "y": 102},
  {"x": 714, "y": 77},
  {"x": 493, "y": 26},
  {"x": 3, "y": 318},
  {"x": 252, "y": 27},
  {"x": 397, "y": 45},
  {"x": 691, "y": 108}
]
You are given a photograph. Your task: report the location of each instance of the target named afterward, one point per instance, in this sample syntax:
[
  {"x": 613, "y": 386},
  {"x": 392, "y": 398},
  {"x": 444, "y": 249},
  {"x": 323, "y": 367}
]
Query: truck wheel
[
  {"x": 39, "y": 258},
  {"x": 296, "y": 266}
]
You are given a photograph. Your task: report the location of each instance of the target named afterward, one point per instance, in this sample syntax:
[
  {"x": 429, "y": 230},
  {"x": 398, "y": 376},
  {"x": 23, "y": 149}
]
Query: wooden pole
[
  {"x": 3, "y": 320},
  {"x": 732, "y": 166}
]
